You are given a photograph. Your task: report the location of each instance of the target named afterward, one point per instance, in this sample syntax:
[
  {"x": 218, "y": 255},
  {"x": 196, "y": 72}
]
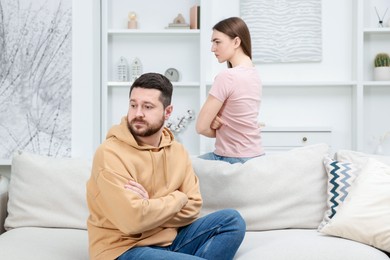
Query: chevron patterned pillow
[
  {"x": 364, "y": 214},
  {"x": 341, "y": 175}
]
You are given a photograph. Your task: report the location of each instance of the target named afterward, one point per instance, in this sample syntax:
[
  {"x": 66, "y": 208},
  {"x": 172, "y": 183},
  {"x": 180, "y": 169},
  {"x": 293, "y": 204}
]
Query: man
[{"x": 143, "y": 194}]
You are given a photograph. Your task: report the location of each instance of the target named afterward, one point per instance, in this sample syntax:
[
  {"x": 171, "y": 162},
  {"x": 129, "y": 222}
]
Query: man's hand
[
  {"x": 217, "y": 123},
  {"x": 138, "y": 189}
]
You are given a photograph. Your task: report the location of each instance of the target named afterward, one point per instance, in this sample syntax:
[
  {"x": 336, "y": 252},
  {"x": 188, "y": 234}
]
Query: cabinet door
[{"x": 279, "y": 139}]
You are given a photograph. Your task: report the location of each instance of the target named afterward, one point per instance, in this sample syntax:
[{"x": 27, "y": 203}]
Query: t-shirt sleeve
[{"x": 222, "y": 86}]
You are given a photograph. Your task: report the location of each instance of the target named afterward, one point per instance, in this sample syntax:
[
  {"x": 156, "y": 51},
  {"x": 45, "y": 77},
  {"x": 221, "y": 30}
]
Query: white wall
[{"x": 86, "y": 71}]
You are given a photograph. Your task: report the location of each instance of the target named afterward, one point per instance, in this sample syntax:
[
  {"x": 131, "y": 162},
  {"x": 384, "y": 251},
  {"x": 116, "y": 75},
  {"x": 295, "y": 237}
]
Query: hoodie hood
[{"x": 122, "y": 133}]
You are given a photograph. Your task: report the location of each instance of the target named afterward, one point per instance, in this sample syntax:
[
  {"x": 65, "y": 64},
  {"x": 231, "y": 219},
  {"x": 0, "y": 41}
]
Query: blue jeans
[
  {"x": 231, "y": 160},
  {"x": 216, "y": 236}
]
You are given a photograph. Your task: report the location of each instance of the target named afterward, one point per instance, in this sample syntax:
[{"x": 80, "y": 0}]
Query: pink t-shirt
[{"x": 240, "y": 90}]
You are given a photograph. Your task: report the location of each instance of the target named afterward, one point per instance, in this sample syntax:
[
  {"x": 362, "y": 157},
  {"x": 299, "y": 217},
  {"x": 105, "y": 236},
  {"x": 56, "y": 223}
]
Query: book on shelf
[{"x": 195, "y": 17}]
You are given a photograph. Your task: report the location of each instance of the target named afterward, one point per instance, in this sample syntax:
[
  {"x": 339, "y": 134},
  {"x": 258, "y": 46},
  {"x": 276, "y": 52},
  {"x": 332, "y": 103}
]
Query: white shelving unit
[
  {"x": 371, "y": 97},
  {"x": 312, "y": 103},
  {"x": 158, "y": 49}
]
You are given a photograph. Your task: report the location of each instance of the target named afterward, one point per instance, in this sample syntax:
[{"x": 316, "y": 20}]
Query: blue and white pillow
[{"x": 341, "y": 175}]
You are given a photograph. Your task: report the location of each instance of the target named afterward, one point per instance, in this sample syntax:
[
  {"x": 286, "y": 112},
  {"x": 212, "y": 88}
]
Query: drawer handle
[{"x": 304, "y": 139}]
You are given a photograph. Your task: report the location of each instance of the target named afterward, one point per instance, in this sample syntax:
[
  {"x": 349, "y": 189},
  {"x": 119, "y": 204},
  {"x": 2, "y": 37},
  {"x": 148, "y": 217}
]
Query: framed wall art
[
  {"x": 284, "y": 30},
  {"x": 35, "y": 77}
]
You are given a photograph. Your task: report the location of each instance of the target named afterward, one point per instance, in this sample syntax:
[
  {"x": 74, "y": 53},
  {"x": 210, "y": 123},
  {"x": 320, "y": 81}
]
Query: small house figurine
[
  {"x": 178, "y": 22},
  {"x": 136, "y": 69},
  {"x": 179, "y": 19},
  {"x": 123, "y": 69}
]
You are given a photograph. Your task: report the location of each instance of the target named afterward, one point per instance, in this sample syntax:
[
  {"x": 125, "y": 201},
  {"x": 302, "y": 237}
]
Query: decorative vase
[
  {"x": 382, "y": 73},
  {"x": 379, "y": 149}
]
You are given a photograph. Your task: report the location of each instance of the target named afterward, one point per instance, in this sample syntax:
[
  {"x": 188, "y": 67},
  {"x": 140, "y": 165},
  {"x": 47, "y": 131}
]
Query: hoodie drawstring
[{"x": 165, "y": 167}]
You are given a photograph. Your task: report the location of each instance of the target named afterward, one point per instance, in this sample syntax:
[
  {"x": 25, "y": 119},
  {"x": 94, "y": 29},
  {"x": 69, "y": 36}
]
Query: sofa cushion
[
  {"x": 302, "y": 244},
  {"x": 3, "y": 201},
  {"x": 341, "y": 175},
  {"x": 44, "y": 243},
  {"x": 364, "y": 214},
  {"x": 47, "y": 192},
  {"x": 358, "y": 158},
  {"x": 283, "y": 190}
]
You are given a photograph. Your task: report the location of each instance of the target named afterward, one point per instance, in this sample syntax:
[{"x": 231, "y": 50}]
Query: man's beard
[{"x": 151, "y": 129}]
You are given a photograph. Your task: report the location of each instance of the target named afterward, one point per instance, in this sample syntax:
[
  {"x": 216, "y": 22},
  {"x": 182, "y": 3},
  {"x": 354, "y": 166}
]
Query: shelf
[
  {"x": 308, "y": 83},
  {"x": 118, "y": 84},
  {"x": 175, "y": 84},
  {"x": 5, "y": 162},
  {"x": 174, "y": 32},
  {"x": 376, "y": 83},
  {"x": 296, "y": 129},
  {"x": 304, "y": 83},
  {"x": 385, "y": 30}
]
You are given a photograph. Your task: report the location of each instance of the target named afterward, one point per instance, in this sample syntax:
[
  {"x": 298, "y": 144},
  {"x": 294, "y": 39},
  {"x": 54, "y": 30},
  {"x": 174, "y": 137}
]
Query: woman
[{"x": 231, "y": 110}]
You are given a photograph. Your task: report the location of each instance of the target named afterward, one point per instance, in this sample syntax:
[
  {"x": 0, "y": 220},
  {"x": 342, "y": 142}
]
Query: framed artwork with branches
[{"x": 35, "y": 77}]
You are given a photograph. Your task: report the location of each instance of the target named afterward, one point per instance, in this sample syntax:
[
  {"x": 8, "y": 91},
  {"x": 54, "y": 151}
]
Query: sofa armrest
[{"x": 3, "y": 201}]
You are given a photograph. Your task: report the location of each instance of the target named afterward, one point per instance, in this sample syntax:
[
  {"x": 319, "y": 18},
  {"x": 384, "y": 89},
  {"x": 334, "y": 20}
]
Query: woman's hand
[{"x": 217, "y": 123}]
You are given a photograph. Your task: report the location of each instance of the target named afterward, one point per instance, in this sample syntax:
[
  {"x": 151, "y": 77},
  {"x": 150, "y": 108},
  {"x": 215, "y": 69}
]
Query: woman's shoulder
[
  {"x": 236, "y": 72},
  {"x": 225, "y": 75}
]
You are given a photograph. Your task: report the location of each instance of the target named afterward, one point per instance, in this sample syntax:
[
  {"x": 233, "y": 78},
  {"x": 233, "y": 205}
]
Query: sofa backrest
[
  {"x": 285, "y": 190},
  {"x": 277, "y": 191}
]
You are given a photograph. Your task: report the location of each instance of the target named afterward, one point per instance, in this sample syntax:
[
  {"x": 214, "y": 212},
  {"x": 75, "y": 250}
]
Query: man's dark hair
[{"x": 155, "y": 81}]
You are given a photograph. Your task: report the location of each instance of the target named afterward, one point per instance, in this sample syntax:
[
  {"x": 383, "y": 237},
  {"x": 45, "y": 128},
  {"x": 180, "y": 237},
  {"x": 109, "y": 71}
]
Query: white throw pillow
[
  {"x": 359, "y": 159},
  {"x": 364, "y": 215},
  {"x": 47, "y": 192},
  {"x": 283, "y": 190}
]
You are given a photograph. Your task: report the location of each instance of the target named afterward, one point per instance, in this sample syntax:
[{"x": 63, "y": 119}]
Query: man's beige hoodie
[{"x": 120, "y": 219}]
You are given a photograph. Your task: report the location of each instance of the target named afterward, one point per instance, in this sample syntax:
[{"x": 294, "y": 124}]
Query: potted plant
[{"x": 382, "y": 66}]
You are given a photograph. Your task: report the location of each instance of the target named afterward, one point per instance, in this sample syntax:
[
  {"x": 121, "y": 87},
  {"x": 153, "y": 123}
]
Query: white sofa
[{"x": 283, "y": 198}]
